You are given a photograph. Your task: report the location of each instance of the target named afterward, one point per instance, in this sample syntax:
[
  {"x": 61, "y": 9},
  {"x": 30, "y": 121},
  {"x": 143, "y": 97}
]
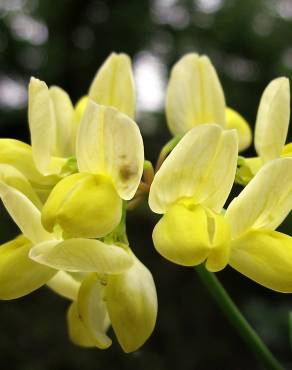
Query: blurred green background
[{"x": 64, "y": 42}]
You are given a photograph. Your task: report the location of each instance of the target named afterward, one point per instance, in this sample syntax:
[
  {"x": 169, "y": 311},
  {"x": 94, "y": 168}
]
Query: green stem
[{"x": 236, "y": 318}]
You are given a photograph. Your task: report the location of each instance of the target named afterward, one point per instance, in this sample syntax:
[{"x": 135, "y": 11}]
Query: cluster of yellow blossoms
[{"x": 69, "y": 192}]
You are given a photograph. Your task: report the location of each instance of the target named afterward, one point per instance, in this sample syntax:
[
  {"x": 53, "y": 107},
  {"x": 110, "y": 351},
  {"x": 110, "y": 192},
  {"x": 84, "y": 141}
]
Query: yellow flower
[
  {"x": 20, "y": 272},
  {"x": 190, "y": 190},
  {"x": 195, "y": 96},
  {"x": 110, "y": 160},
  {"x": 270, "y": 130},
  {"x": 257, "y": 251},
  {"x": 126, "y": 301}
]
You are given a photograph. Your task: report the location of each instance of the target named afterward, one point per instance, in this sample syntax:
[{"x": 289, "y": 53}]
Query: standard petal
[
  {"x": 93, "y": 311},
  {"x": 235, "y": 121},
  {"x": 15, "y": 179},
  {"x": 194, "y": 95},
  {"x": 265, "y": 201},
  {"x": 109, "y": 142},
  {"x": 80, "y": 254},
  {"x": 65, "y": 285},
  {"x": 132, "y": 305},
  {"x": 113, "y": 84},
  {"x": 24, "y": 213},
  {"x": 42, "y": 124},
  {"x": 65, "y": 129},
  {"x": 265, "y": 257},
  {"x": 78, "y": 333},
  {"x": 273, "y": 119},
  {"x": 19, "y": 275},
  {"x": 201, "y": 166}
]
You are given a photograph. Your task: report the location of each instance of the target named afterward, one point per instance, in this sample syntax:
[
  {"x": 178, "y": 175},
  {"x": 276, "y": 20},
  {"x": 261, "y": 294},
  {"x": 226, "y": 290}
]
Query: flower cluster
[{"x": 69, "y": 193}]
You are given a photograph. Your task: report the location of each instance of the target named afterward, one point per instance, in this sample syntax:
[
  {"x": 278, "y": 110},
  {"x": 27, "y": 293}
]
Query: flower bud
[{"x": 83, "y": 205}]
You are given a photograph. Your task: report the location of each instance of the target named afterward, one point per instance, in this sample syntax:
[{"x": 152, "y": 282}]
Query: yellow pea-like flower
[
  {"x": 271, "y": 129},
  {"x": 127, "y": 301},
  {"x": 195, "y": 96},
  {"x": 38, "y": 255},
  {"x": 257, "y": 250},
  {"x": 110, "y": 160},
  {"x": 190, "y": 190}
]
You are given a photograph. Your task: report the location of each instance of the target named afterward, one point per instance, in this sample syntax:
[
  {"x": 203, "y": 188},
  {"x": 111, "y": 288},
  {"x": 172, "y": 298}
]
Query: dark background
[{"x": 63, "y": 43}]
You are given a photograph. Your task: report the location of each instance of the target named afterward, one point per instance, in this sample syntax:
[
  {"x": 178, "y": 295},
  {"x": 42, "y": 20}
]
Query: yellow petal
[
  {"x": 24, "y": 213},
  {"x": 65, "y": 131},
  {"x": 109, "y": 142},
  {"x": 202, "y": 166},
  {"x": 84, "y": 205},
  {"x": 273, "y": 119},
  {"x": 236, "y": 121},
  {"x": 287, "y": 150},
  {"x": 65, "y": 285},
  {"x": 92, "y": 310},
  {"x": 247, "y": 169},
  {"x": 182, "y": 236},
  {"x": 194, "y": 95},
  {"x": 265, "y": 257},
  {"x": 79, "y": 254},
  {"x": 15, "y": 179},
  {"x": 19, "y": 275},
  {"x": 113, "y": 84},
  {"x": 265, "y": 201},
  {"x": 78, "y": 333},
  {"x": 132, "y": 305},
  {"x": 19, "y": 155}
]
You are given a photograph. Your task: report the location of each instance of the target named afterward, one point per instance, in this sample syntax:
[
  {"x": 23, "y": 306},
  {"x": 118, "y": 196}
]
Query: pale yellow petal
[
  {"x": 19, "y": 275},
  {"x": 113, "y": 84},
  {"x": 79, "y": 254},
  {"x": 273, "y": 119},
  {"x": 93, "y": 311},
  {"x": 132, "y": 305},
  {"x": 65, "y": 129},
  {"x": 24, "y": 213},
  {"x": 201, "y": 166},
  {"x": 235, "y": 121},
  {"x": 15, "y": 179},
  {"x": 194, "y": 95},
  {"x": 265, "y": 201},
  {"x": 65, "y": 285},
  {"x": 109, "y": 142},
  {"x": 42, "y": 124},
  {"x": 78, "y": 333},
  {"x": 266, "y": 258}
]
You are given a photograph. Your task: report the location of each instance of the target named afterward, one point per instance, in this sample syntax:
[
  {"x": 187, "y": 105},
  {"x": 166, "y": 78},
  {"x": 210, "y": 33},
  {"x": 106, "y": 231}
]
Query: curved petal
[
  {"x": 202, "y": 166},
  {"x": 273, "y": 119},
  {"x": 19, "y": 155},
  {"x": 78, "y": 333},
  {"x": 15, "y": 179},
  {"x": 80, "y": 254},
  {"x": 235, "y": 121},
  {"x": 109, "y": 142},
  {"x": 113, "y": 84},
  {"x": 24, "y": 213},
  {"x": 65, "y": 130},
  {"x": 132, "y": 305},
  {"x": 42, "y": 124},
  {"x": 194, "y": 94},
  {"x": 65, "y": 285},
  {"x": 266, "y": 258},
  {"x": 265, "y": 201},
  {"x": 19, "y": 275},
  {"x": 92, "y": 310}
]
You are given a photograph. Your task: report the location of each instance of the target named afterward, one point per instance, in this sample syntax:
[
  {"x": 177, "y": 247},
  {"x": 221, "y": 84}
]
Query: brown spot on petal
[{"x": 126, "y": 172}]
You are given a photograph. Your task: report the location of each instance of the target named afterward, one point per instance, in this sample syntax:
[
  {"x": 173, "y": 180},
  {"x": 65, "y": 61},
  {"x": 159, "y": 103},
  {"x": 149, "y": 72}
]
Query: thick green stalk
[{"x": 236, "y": 318}]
